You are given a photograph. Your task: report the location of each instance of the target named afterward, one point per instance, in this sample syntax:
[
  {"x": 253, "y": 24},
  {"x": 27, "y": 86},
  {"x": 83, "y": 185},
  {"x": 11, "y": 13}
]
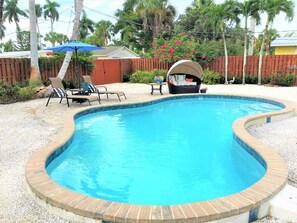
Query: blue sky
[{"x": 105, "y": 9}]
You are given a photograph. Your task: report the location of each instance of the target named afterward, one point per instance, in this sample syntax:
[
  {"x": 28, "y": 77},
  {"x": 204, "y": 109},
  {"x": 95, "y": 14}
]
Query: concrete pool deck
[{"x": 27, "y": 126}]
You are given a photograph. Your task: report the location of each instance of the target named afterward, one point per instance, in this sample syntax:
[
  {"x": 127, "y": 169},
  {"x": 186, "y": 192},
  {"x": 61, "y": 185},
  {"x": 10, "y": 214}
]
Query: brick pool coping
[{"x": 47, "y": 190}]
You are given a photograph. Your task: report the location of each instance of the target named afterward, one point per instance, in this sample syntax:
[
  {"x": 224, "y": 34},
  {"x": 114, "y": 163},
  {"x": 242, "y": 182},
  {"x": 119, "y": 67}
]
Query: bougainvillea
[{"x": 180, "y": 47}]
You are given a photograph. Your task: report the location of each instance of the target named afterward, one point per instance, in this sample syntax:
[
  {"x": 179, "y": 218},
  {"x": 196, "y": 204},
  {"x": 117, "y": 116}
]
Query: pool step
[
  {"x": 258, "y": 108},
  {"x": 284, "y": 205}
]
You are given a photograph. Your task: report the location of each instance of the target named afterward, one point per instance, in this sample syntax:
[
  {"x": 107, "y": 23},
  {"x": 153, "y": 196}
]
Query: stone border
[{"x": 83, "y": 207}]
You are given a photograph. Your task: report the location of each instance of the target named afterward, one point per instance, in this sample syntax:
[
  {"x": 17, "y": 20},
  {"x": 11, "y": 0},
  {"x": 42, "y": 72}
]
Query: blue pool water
[{"x": 173, "y": 152}]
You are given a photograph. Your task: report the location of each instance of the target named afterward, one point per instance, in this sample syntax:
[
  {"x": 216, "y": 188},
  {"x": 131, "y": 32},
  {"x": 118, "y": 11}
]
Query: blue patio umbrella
[{"x": 74, "y": 46}]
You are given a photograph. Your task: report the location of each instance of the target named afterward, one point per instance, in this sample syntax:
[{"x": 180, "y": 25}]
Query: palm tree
[
  {"x": 248, "y": 8},
  {"x": 2, "y": 30},
  {"x": 194, "y": 19},
  {"x": 156, "y": 15},
  {"x": 54, "y": 38},
  {"x": 78, "y": 10},
  {"x": 220, "y": 15},
  {"x": 50, "y": 11},
  {"x": 272, "y": 34},
  {"x": 86, "y": 25},
  {"x": 103, "y": 30},
  {"x": 1, "y": 19},
  {"x": 141, "y": 20},
  {"x": 12, "y": 12},
  {"x": 35, "y": 78},
  {"x": 272, "y": 8},
  {"x": 38, "y": 13}
]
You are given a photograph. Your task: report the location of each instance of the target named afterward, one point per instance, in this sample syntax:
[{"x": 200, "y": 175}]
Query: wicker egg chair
[{"x": 188, "y": 70}]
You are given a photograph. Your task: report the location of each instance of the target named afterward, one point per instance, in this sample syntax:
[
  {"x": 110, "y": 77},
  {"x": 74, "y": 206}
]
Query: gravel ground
[
  {"x": 25, "y": 127},
  {"x": 282, "y": 137}
]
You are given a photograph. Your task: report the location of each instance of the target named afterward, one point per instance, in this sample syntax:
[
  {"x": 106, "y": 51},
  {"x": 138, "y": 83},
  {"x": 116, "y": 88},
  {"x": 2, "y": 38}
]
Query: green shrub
[
  {"x": 276, "y": 78},
  {"x": 290, "y": 79},
  {"x": 266, "y": 80},
  {"x": 126, "y": 78},
  {"x": 26, "y": 93},
  {"x": 238, "y": 80},
  {"x": 221, "y": 79},
  {"x": 142, "y": 77},
  {"x": 210, "y": 77},
  {"x": 286, "y": 80},
  {"x": 251, "y": 79},
  {"x": 8, "y": 93}
]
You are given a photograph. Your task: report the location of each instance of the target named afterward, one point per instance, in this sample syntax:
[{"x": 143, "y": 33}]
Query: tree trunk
[
  {"x": 245, "y": 50},
  {"x": 261, "y": 53},
  {"x": 1, "y": 11},
  {"x": 35, "y": 78},
  {"x": 252, "y": 29},
  {"x": 267, "y": 48},
  {"x": 226, "y": 57},
  {"x": 67, "y": 59},
  {"x": 39, "y": 37}
]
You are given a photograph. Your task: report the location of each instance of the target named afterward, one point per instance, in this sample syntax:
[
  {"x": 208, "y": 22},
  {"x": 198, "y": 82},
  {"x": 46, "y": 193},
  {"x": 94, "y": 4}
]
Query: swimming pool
[
  {"x": 239, "y": 207},
  {"x": 172, "y": 152}
]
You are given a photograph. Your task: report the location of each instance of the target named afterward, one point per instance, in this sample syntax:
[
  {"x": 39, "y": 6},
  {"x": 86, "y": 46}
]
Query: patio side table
[{"x": 156, "y": 86}]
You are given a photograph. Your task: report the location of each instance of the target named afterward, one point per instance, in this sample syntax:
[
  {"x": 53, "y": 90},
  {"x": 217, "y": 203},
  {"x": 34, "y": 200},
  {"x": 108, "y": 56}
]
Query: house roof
[
  {"x": 286, "y": 41},
  {"x": 108, "y": 50},
  {"x": 22, "y": 54}
]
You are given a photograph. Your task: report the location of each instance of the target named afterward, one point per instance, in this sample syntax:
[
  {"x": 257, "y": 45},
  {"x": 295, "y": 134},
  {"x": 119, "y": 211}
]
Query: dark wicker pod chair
[{"x": 191, "y": 70}]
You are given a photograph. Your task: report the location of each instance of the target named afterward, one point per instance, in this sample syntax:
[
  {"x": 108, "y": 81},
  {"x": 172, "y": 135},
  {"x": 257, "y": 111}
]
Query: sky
[{"x": 105, "y": 10}]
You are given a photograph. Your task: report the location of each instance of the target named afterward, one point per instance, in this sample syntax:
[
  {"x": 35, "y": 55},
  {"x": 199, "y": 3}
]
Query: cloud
[
  {"x": 93, "y": 4},
  {"x": 115, "y": 4}
]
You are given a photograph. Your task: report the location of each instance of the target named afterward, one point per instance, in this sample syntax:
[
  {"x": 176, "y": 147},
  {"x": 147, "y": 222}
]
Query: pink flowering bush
[{"x": 180, "y": 47}]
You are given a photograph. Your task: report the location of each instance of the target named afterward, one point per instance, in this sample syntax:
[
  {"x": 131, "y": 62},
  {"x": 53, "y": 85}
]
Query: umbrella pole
[{"x": 76, "y": 69}]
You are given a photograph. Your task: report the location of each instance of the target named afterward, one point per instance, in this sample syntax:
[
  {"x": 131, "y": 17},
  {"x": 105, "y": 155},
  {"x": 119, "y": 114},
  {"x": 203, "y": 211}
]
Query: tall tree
[
  {"x": 86, "y": 26},
  {"x": 272, "y": 34},
  {"x": 129, "y": 26},
  {"x": 252, "y": 39},
  {"x": 78, "y": 10},
  {"x": 35, "y": 77},
  {"x": 12, "y": 12},
  {"x": 54, "y": 38},
  {"x": 248, "y": 8},
  {"x": 194, "y": 19},
  {"x": 222, "y": 15},
  {"x": 102, "y": 34},
  {"x": 23, "y": 41},
  {"x": 2, "y": 28},
  {"x": 104, "y": 27},
  {"x": 144, "y": 20},
  {"x": 51, "y": 12},
  {"x": 38, "y": 13},
  {"x": 156, "y": 15},
  {"x": 272, "y": 8}
]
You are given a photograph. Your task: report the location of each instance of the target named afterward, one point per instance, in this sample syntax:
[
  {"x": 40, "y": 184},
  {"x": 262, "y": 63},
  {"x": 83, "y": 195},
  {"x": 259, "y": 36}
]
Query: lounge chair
[
  {"x": 59, "y": 92},
  {"x": 94, "y": 89}
]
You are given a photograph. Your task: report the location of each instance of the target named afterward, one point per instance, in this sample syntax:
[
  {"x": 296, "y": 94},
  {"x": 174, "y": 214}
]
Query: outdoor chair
[
  {"x": 59, "y": 92},
  {"x": 93, "y": 89},
  {"x": 184, "y": 77}
]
